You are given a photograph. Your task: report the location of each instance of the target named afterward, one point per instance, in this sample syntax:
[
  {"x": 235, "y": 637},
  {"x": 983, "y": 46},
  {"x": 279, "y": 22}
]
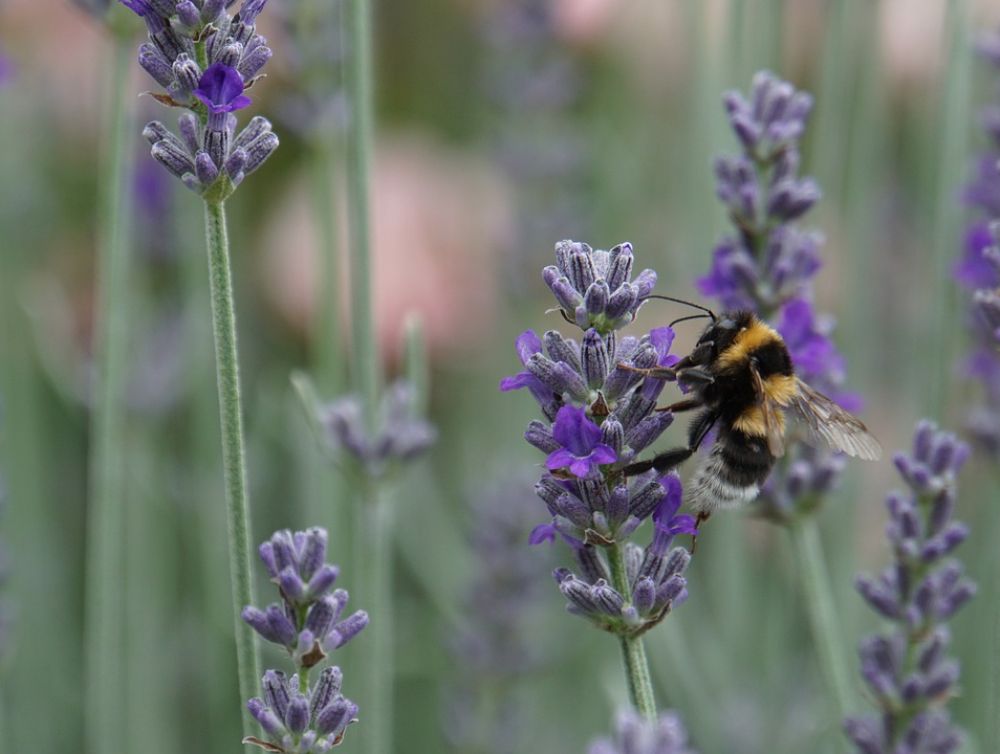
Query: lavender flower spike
[
  {"x": 298, "y": 722},
  {"x": 978, "y": 270},
  {"x": 294, "y": 715},
  {"x": 597, "y": 410},
  {"x": 307, "y": 622},
  {"x": 907, "y": 670},
  {"x": 634, "y": 735},
  {"x": 210, "y": 157},
  {"x": 399, "y": 437}
]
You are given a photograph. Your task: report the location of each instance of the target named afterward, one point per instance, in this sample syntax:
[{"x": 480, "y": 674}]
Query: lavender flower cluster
[
  {"x": 598, "y": 416},
  {"x": 907, "y": 669},
  {"x": 496, "y": 647},
  {"x": 400, "y": 434},
  {"x": 205, "y": 60},
  {"x": 534, "y": 82},
  {"x": 636, "y": 735},
  {"x": 768, "y": 264},
  {"x": 296, "y": 716},
  {"x": 979, "y": 269}
]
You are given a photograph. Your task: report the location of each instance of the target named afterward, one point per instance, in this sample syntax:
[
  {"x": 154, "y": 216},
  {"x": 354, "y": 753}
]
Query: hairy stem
[
  {"x": 106, "y": 511},
  {"x": 233, "y": 454},
  {"x": 640, "y": 684},
  {"x": 822, "y": 614}
]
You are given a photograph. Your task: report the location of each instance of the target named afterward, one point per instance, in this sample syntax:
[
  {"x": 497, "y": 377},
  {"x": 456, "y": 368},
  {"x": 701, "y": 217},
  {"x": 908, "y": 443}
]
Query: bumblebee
[{"x": 741, "y": 380}]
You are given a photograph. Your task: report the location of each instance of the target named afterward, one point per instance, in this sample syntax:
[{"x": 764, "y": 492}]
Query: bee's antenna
[
  {"x": 690, "y": 316},
  {"x": 708, "y": 312}
]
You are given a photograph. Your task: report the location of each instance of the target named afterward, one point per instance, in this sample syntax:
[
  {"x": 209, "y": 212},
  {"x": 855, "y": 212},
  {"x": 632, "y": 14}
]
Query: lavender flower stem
[
  {"x": 106, "y": 542},
  {"x": 328, "y": 347},
  {"x": 373, "y": 549},
  {"x": 233, "y": 455},
  {"x": 416, "y": 364},
  {"x": 359, "y": 76},
  {"x": 822, "y": 614},
  {"x": 640, "y": 684}
]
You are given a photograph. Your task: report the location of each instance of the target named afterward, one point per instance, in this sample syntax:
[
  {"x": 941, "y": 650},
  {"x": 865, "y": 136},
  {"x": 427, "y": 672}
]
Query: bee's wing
[
  {"x": 773, "y": 426},
  {"x": 836, "y": 427}
]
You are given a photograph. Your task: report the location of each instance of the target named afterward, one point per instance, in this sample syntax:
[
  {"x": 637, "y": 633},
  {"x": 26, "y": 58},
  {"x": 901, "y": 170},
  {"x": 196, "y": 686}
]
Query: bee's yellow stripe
[
  {"x": 751, "y": 422},
  {"x": 746, "y": 342},
  {"x": 781, "y": 388}
]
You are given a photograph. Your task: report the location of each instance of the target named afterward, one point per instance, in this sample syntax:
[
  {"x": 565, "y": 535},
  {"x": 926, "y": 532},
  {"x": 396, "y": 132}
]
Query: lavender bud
[
  {"x": 346, "y": 630},
  {"x": 259, "y": 150},
  {"x": 155, "y": 64},
  {"x": 254, "y": 59},
  {"x": 297, "y": 716},
  {"x": 594, "y": 359},
  {"x": 540, "y": 435},
  {"x": 205, "y": 169},
  {"x": 275, "y": 687},
  {"x": 560, "y": 349},
  {"x": 170, "y": 153},
  {"x": 268, "y": 720},
  {"x": 334, "y": 717},
  {"x": 189, "y": 14}
]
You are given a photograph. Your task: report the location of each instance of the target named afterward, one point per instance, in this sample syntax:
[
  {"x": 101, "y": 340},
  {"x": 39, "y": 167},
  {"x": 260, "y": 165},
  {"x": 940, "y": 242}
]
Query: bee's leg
[
  {"x": 688, "y": 404},
  {"x": 660, "y": 373},
  {"x": 702, "y": 518},
  {"x": 695, "y": 377},
  {"x": 700, "y": 428}
]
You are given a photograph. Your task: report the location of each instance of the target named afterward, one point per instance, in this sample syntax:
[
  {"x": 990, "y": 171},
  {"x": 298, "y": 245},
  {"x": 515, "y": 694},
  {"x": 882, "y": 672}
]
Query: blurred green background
[{"x": 596, "y": 120}]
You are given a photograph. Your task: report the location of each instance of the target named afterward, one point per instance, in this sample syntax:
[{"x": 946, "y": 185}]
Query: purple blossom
[
  {"x": 767, "y": 265},
  {"x": 978, "y": 270},
  {"x": 297, "y": 721},
  {"x": 220, "y": 89},
  {"x": 907, "y": 670},
  {"x": 582, "y": 451},
  {"x": 974, "y": 270},
  {"x": 602, "y": 413},
  {"x": 666, "y": 518},
  {"x": 308, "y": 623},
  {"x": 635, "y": 735},
  {"x": 303, "y": 717},
  {"x": 210, "y": 158},
  {"x": 399, "y": 437}
]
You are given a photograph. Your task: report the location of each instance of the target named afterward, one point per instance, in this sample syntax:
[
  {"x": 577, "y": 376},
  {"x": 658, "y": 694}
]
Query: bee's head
[{"x": 724, "y": 330}]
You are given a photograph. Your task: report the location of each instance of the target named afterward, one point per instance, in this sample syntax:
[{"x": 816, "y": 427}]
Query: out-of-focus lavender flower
[
  {"x": 400, "y": 435},
  {"x": 978, "y": 270},
  {"x": 308, "y": 620},
  {"x": 533, "y": 81},
  {"x": 599, "y": 415},
  {"x": 635, "y": 735},
  {"x": 768, "y": 264},
  {"x": 496, "y": 647},
  {"x": 205, "y": 59},
  {"x": 294, "y": 715},
  {"x": 906, "y": 669},
  {"x": 313, "y": 103},
  {"x": 6, "y": 69}
]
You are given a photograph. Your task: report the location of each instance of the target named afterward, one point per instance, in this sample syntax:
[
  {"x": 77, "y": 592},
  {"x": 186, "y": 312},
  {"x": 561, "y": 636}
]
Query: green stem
[
  {"x": 106, "y": 512},
  {"x": 373, "y": 548},
  {"x": 822, "y": 613},
  {"x": 359, "y": 79},
  {"x": 640, "y": 684},
  {"x": 327, "y": 349},
  {"x": 233, "y": 454}
]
